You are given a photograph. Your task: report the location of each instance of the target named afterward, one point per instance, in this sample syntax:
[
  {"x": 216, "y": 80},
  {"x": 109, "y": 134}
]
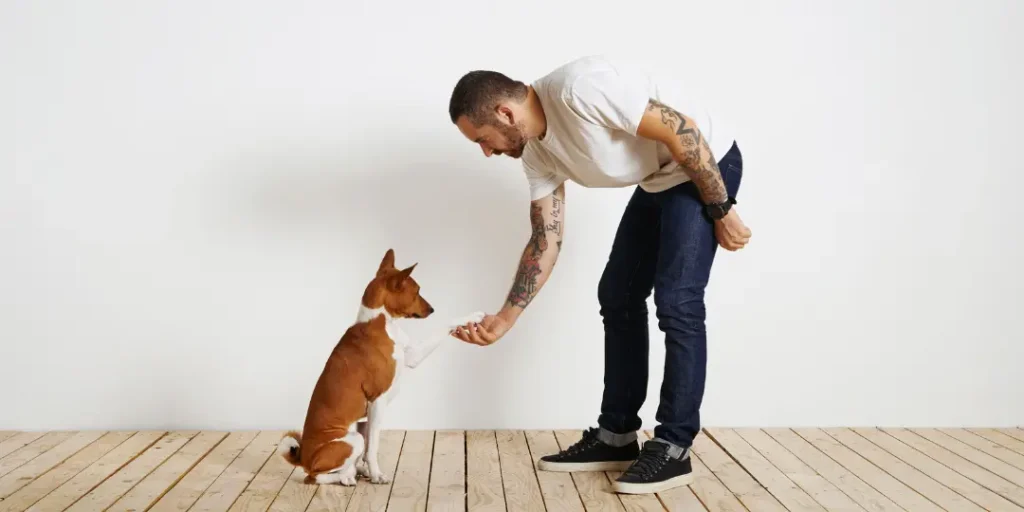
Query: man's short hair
[{"x": 478, "y": 92}]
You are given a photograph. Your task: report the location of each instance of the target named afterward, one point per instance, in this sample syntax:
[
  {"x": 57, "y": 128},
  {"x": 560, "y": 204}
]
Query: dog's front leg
[
  {"x": 416, "y": 353},
  {"x": 375, "y": 426}
]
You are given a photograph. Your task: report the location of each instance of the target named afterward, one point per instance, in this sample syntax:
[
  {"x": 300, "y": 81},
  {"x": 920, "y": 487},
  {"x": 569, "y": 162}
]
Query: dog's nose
[{"x": 431, "y": 309}]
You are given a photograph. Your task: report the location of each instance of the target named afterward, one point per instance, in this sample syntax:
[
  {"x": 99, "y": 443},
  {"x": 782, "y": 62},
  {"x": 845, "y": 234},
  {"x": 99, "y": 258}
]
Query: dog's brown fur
[{"x": 359, "y": 369}]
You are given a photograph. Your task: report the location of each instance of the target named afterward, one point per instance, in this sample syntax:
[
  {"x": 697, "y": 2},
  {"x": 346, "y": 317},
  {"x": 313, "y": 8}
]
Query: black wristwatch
[{"x": 718, "y": 210}]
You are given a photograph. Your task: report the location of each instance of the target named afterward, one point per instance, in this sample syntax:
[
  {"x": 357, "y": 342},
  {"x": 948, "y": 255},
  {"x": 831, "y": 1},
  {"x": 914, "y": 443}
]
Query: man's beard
[{"x": 516, "y": 140}]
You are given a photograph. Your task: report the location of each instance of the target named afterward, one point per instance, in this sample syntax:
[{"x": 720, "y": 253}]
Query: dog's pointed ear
[
  {"x": 388, "y": 263},
  {"x": 396, "y": 281}
]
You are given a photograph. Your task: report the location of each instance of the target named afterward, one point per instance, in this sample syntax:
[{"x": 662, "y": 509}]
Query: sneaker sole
[
  {"x": 544, "y": 465},
  {"x": 633, "y": 488}
]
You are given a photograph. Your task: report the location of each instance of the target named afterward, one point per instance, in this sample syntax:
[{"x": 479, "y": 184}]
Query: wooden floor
[{"x": 745, "y": 469}]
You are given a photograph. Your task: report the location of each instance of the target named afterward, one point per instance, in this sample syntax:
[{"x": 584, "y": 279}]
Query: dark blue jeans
[{"x": 665, "y": 242}]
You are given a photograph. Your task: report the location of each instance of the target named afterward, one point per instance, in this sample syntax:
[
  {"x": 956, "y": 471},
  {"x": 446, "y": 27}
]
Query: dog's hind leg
[{"x": 336, "y": 461}]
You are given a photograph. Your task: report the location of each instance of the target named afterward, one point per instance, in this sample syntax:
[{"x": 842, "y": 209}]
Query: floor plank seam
[
  {"x": 894, "y": 477},
  {"x": 897, "y": 457},
  {"x": 255, "y": 474},
  {"x": 850, "y": 470},
  {"x": 118, "y": 469},
  {"x": 72, "y": 477},
  {"x": 183, "y": 473},
  {"x": 394, "y": 475},
  {"x": 501, "y": 474}
]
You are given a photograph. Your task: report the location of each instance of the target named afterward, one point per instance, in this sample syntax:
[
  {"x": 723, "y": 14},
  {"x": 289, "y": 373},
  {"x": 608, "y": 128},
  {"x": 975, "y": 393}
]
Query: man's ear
[
  {"x": 388, "y": 263},
  {"x": 396, "y": 281},
  {"x": 505, "y": 114}
]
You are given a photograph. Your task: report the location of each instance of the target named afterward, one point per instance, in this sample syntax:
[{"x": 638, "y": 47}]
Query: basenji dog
[{"x": 341, "y": 435}]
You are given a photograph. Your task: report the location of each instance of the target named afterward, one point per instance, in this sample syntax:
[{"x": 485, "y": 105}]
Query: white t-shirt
[{"x": 593, "y": 107}]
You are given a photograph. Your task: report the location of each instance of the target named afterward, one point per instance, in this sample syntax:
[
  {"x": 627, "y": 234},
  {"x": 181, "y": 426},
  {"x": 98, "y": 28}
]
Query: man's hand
[
  {"x": 732, "y": 234},
  {"x": 489, "y": 330}
]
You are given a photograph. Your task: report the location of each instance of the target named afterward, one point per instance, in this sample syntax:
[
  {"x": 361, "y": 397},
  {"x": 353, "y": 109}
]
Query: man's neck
[{"x": 536, "y": 121}]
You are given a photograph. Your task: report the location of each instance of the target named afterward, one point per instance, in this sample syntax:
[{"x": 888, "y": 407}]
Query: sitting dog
[{"x": 341, "y": 435}]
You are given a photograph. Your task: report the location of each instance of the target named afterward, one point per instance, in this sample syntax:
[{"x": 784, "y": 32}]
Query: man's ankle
[
  {"x": 613, "y": 439},
  {"x": 675, "y": 451}
]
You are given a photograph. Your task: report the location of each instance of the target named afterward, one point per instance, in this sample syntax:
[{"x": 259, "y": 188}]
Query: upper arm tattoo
[{"x": 695, "y": 155}]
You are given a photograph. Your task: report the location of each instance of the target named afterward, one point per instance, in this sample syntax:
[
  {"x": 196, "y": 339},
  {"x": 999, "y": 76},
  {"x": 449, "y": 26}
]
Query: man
[{"x": 599, "y": 124}]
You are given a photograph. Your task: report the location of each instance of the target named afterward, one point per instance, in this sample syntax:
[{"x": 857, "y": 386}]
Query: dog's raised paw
[{"x": 468, "y": 319}]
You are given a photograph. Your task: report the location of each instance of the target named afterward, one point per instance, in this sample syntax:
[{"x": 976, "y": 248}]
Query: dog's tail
[{"x": 289, "y": 447}]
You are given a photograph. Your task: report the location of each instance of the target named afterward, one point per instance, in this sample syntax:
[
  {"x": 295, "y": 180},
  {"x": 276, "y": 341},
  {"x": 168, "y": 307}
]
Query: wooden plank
[
  {"x": 966, "y": 468},
  {"x": 938, "y": 472},
  {"x": 185, "y": 493},
  {"x": 4, "y": 434},
  {"x": 858, "y": 490},
  {"x": 54, "y": 478},
  {"x": 154, "y": 485},
  {"x": 732, "y": 475},
  {"x": 448, "y": 473},
  {"x": 788, "y": 493},
  {"x": 712, "y": 492},
  {"x": 32, "y": 450},
  {"x": 263, "y": 489},
  {"x": 223, "y": 492},
  {"x": 892, "y": 488},
  {"x": 817, "y": 487},
  {"x": 68, "y": 493},
  {"x": 994, "y": 449},
  {"x": 974, "y": 455},
  {"x": 31, "y": 470},
  {"x": 557, "y": 488},
  {"x": 1006, "y": 441},
  {"x": 367, "y": 495},
  {"x": 409, "y": 492},
  {"x": 484, "y": 491},
  {"x": 594, "y": 488},
  {"x": 123, "y": 480},
  {"x": 17, "y": 441},
  {"x": 1015, "y": 433},
  {"x": 295, "y": 494},
  {"x": 522, "y": 491}
]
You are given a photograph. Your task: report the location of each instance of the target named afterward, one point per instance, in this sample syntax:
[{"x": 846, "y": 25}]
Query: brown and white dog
[{"x": 341, "y": 435}]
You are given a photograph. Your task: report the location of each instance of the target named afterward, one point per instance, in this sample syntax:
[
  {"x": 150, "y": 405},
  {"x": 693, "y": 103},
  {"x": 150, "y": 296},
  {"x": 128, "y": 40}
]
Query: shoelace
[
  {"x": 587, "y": 442},
  {"x": 651, "y": 461}
]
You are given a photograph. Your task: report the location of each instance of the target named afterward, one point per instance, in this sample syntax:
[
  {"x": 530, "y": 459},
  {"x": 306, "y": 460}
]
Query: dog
[{"x": 341, "y": 435}]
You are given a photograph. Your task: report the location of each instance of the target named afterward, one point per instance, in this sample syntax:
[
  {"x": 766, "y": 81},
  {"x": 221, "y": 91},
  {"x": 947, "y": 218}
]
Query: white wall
[{"x": 195, "y": 193}]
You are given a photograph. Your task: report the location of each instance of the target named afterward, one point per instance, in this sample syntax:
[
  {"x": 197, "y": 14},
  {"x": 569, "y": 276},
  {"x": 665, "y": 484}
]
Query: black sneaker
[
  {"x": 654, "y": 471},
  {"x": 590, "y": 454}
]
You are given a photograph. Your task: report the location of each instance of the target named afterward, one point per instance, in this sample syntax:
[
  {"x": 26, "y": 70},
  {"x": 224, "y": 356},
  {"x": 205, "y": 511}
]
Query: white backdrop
[{"x": 194, "y": 195}]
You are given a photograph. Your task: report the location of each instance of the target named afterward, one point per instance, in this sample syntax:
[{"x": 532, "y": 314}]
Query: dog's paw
[
  {"x": 472, "y": 318},
  {"x": 380, "y": 478},
  {"x": 362, "y": 468}
]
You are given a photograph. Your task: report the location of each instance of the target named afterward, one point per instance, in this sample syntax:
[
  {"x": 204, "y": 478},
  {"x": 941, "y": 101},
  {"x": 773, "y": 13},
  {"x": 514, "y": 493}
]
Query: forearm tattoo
[
  {"x": 527, "y": 280},
  {"x": 695, "y": 156}
]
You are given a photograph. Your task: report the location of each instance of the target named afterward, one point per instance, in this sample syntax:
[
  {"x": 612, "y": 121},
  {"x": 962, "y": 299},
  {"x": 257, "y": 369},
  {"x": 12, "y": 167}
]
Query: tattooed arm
[
  {"x": 680, "y": 134},
  {"x": 689, "y": 147},
  {"x": 547, "y": 220},
  {"x": 541, "y": 252}
]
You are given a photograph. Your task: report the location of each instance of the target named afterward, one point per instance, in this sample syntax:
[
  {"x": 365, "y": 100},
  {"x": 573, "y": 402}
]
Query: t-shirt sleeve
[
  {"x": 542, "y": 183},
  {"x": 612, "y": 98}
]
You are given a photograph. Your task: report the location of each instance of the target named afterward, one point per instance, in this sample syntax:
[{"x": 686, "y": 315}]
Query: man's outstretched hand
[{"x": 487, "y": 331}]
